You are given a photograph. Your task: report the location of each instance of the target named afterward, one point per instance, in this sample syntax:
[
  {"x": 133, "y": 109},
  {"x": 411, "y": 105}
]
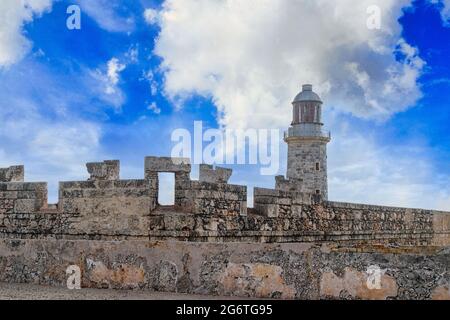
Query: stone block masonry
[
  {"x": 166, "y": 164},
  {"x": 309, "y": 222},
  {"x": 294, "y": 243},
  {"x": 211, "y": 195},
  {"x": 12, "y": 174},
  {"x": 22, "y": 197},
  {"x": 214, "y": 175},
  {"x": 205, "y": 198},
  {"x": 308, "y": 166},
  {"x": 285, "y": 271},
  {"x": 181, "y": 167},
  {"x": 107, "y": 170},
  {"x": 291, "y": 245},
  {"x": 106, "y": 208}
]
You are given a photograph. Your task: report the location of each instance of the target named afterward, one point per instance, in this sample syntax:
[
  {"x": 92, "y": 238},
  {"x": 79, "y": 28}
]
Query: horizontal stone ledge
[
  {"x": 221, "y": 187},
  {"x": 254, "y": 239},
  {"x": 167, "y": 164},
  {"x": 93, "y": 194},
  {"x": 269, "y": 192},
  {"x": 218, "y": 195},
  {"x": 41, "y": 214},
  {"x": 348, "y": 205},
  {"x": 72, "y": 237},
  {"x": 8, "y": 195},
  {"x": 105, "y": 184},
  {"x": 182, "y": 233},
  {"x": 23, "y": 186},
  {"x": 264, "y": 200},
  {"x": 260, "y": 219}
]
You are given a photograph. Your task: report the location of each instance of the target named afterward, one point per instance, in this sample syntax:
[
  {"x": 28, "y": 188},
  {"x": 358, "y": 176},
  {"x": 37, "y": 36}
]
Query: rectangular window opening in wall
[
  {"x": 166, "y": 191},
  {"x": 317, "y": 191},
  {"x": 317, "y": 166}
]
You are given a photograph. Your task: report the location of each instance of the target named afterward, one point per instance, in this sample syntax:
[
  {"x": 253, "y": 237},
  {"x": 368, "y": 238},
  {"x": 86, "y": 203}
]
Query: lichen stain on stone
[
  {"x": 255, "y": 280},
  {"x": 355, "y": 284},
  {"x": 124, "y": 275},
  {"x": 441, "y": 293}
]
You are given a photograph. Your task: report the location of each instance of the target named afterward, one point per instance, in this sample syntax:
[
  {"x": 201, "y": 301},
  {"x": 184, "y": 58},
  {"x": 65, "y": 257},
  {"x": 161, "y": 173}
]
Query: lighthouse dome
[{"x": 307, "y": 94}]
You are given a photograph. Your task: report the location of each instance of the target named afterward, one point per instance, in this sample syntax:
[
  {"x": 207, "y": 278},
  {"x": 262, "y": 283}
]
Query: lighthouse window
[{"x": 317, "y": 166}]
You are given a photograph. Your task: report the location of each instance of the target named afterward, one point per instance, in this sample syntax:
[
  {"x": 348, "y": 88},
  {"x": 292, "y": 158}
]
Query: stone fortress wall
[
  {"x": 293, "y": 243},
  {"x": 208, "y": 210},
  {"x": 255, "y": 270},
  {"x": 290, "y": 245}
]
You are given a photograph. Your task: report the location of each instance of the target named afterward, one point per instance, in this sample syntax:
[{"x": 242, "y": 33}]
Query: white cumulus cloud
[
  {"x": 151, "y": 16},
  {"x": 251, "y": 56},
  {"x": 114, "y": 69},
  {"x": 104, "y": 80},
  {"x": 13, "y": 15}
]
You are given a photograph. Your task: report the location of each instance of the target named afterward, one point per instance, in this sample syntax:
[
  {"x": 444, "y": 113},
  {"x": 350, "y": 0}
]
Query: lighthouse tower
[{"x": 307, "y": 145}]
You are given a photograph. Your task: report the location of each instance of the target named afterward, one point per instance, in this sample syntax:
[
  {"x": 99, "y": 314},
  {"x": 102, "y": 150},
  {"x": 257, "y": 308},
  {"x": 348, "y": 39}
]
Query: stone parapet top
[
  {"x": 350, "y": 205},
  {"x": 104, "y": 184}
]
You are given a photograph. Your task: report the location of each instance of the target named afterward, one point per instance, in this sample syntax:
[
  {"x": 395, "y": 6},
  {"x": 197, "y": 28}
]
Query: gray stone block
[
  {"x": 166, "y": 164},
  {"x": 25, "y": 206},
  {"x": 12, "y": 174},
  {"x": 106, "y": 170},
  {"x": 214, "y": 175}
]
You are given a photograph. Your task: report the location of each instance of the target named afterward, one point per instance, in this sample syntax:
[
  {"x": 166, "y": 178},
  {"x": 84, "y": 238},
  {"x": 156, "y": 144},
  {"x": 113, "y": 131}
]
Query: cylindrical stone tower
[{"x": 307, "y": 145}]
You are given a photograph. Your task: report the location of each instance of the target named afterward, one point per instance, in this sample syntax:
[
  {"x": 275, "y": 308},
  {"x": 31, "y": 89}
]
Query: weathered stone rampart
[
  {"x": 113, "y": 208},
  {"x": 208, "y": 210},
  {"x": 293, "y": 244},
  {"x": 290, "y": 245},
  {"x": 287, "y": 270}
]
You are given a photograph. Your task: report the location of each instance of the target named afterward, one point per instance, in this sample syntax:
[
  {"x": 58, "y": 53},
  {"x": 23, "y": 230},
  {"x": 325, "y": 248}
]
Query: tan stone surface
[
  {"x": 355, "y": 284},
  {"x": 264, "y": 280},
  {"x": 441, "y": 293},
  {"x": 441, "y": 227},
  {"x": 128, "y": 276}
]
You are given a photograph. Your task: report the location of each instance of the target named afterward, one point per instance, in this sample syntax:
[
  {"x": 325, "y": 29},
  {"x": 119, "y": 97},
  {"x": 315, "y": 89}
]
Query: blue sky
[{"x": 137, "y": 70}]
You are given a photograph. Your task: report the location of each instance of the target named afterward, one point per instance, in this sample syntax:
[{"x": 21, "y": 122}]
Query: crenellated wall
[
  {"x": 105, "y": 207},
  {"x": 337, "y": 221},
  {"x": 23, "y": 206},
  {"x": 206, "y": 198},
  {"x": 211, "y": 195},
  {"x": 290, "y": 245},
  {"x": 282, "y": 216},
  {"x": 208, "y": 210}
]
